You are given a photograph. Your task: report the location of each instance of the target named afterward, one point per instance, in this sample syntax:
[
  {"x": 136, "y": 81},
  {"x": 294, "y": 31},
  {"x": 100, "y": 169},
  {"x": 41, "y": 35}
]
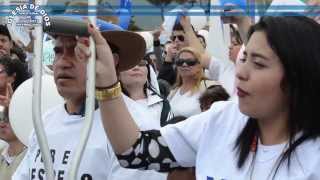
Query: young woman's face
[
  {"x": 258, "y": 80},
  {"x": 234, "y": 49},
  {"x": 136, "y": 75},
  {"x": 189, "y": 66}
]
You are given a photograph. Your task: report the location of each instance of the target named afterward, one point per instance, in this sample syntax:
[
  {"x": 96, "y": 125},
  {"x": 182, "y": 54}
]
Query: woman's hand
[
  {"x": 105, "y": 64},
  {"x": 243, "y": 21},
  {"x": 239, "y": 16},
  {"x": 185, "y": 22}
]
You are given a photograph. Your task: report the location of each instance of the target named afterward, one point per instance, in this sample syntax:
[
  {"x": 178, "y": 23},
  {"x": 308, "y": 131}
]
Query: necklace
[{"x": 276, "y": 164}]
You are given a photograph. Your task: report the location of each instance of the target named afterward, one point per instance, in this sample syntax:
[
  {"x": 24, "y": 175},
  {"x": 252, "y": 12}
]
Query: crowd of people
[{"x": 177, "y": 112}]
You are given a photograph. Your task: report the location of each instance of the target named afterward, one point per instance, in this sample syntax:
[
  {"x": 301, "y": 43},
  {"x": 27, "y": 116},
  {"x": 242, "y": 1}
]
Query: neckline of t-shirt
[
  {"x": 143, "y": 101},
  {"x": 71, "y": 118},
  {"x": 183, "y": 94},
  {"x": 269, "y": 152},
  {"x": 274, "y": 147}
]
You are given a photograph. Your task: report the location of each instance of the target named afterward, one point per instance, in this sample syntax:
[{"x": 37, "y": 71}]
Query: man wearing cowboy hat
[{"x": 63, "y": 123}]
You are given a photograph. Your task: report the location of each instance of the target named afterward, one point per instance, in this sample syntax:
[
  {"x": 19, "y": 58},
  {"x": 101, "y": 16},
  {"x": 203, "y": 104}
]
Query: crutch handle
[{"x": 67, "y": 26}]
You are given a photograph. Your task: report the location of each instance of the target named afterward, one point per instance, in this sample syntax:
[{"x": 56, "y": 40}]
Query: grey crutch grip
[{"x": 67, "y": 26}]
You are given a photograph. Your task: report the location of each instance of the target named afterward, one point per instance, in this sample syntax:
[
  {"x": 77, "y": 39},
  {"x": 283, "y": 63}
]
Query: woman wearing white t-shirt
[
  {"x": 272, "y": 132},
  {"x": 143, "y": 100},
  {"x": 184, "y": 98},
  {"x": 142, "y": 95}
]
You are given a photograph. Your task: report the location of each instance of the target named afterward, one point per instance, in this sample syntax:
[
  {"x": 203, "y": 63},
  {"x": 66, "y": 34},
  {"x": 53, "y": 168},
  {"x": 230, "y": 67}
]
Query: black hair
[
  {"x": 19, "y": 52},
  {"x": 213, "y": 94},
  {"x": 179, "y": 27},
  {"x": 164, "y": 87},
  {"x": 235, "y": 33},
  {"x": 15, "y": 67},
  {"x": 4, "y": 31},
  {"x": 147, "y": 57},
  {"x": 203, "y": 39},
  {"x": 296, "y": 41},
  {"x": 147, "y": 86},
  {"x": 5, "y": 61}
]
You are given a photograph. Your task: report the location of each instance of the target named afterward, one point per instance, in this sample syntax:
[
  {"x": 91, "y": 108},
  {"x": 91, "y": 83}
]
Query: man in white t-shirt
[{"x": 63, "y": 123}]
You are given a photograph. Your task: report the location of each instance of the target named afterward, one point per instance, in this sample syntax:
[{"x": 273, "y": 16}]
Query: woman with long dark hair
[
  {"x": 271, "y": 132},
  {"x": 141, "y": 95},
  {"x": 141, "y": 90}
]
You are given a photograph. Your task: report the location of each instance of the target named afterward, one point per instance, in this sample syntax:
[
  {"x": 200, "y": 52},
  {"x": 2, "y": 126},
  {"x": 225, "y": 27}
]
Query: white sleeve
[
  {"x": 214, "y": 68},
  {"x": 22, "y": 172},
  {"x": 184, "y": 138},
  {"x": 223, "y": 71}
]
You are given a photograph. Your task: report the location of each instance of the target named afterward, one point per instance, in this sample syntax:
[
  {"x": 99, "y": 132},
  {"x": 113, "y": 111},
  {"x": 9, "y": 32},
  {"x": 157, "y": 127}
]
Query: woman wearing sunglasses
[
  {"x": 271, "y": 133},
  {"x": 184, "y": 98},
  {"x": 142, "y": 98},
  {"x": 139, "y": 85}
]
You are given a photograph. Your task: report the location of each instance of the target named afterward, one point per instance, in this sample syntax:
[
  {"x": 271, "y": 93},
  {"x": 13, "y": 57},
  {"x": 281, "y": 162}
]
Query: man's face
[
  {"x": 179, "y": 40},
  {"x": 5, "y": 45},
  {"x": 69, "y": 72}
]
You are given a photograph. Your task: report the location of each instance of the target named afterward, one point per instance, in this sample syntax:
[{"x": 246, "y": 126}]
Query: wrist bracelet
[
  {"x": 113, "y": 92},
  {"x": 107, "y": 87}
]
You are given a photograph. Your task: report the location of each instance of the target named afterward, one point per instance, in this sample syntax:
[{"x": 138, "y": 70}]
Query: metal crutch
[
  {"x": 36, "y": 103},
  {"x": 90, "y": 100},
  {"x": 36, "y": 112}
]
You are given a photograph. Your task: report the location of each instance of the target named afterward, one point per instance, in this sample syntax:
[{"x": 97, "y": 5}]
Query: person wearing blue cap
[{"x": 64, "y": 122}]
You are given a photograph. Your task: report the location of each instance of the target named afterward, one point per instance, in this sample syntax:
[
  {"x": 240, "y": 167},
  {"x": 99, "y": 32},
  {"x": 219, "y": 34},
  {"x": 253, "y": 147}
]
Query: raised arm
[
  {"x": 242, "y": 21},
  {"x": 194, "y": 41},
  {"x": 190, "y": 34},
  {"x": 118, "y": 123},
  {"x": 125, "y": 136}
]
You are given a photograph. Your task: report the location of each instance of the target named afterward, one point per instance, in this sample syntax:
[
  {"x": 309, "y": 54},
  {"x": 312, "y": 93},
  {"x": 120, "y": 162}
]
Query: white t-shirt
[
  {"x": 98, "y": 162},
  {"x": 63, "y": 132},
  {"x": 149, "y": 108},
  {"x": 223, "y": 71},
  {"x": 207, "y": 141},
  {"x": 146, "y": 114},
  {"x": 186, "y": 104}
]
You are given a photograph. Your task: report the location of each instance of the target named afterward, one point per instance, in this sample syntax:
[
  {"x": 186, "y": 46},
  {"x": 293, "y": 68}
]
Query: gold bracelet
[{"x": 109, "y": 93}]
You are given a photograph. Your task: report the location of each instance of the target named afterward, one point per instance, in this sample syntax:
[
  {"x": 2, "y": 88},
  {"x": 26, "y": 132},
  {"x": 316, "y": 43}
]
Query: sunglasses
[
  {"x": 180, "y": 38},
  {"x": 188, "y": 62}
]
